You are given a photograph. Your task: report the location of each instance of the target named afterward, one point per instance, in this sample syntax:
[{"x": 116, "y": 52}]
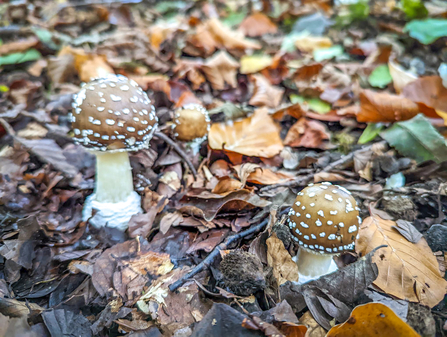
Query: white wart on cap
[
  {"x": 191, "y": 122},
  {"x": 113, "y": 114},
  {"x": 324, "y": 219}
]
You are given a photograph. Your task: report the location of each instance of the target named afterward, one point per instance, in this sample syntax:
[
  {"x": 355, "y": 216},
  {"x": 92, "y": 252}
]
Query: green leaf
[
  {"x": 327, "y": 53},
  {"x": 413, "y": 9},
  {"x": 314, "y": 104},
  {"x": 371, "y": 132},
  {"x": 359, "y": 10},
  {"x": 428, "y": 30},
  {"x": 417, "y": 139},
  {"x": 380, "y": 77},
  {"x": 16, "y": 58},
  {"x": 235, "y": 18},
  {"x": 46, "y": 37}
]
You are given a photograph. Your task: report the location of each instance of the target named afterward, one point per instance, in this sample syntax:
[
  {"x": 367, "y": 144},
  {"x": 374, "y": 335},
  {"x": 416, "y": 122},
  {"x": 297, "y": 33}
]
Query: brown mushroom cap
[
  {"x": 113, "y": 114},
  {"x": 325, "y": 219},
  {"x": 191, "y": 122}
]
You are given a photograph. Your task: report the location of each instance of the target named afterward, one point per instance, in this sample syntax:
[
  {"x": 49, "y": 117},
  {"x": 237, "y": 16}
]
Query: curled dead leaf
[
  {"x": 228, "y": 38},
  {"x": 221, "y": 69},
  {"x": 284, "y": 268},
  {"x": 373, "y": 320},
  {"x": 253, "y": 173},
  {"x": 384, "y": 107},
  {"x": 258, "y": 24},
  {"x": 264, "y": 93},
  {"x": 309, "y": 43},
  {"x": 307, "y": 133},
  {"x": 406, "y": 270},
  {"x": 401, "y": 77},
  {"x": 256, "y": 136}
]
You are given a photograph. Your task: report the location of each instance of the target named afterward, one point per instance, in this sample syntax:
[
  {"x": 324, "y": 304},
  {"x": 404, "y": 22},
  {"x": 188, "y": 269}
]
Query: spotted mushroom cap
[
  {"x": 113, "y": 114},
  {"x": 324, "y": 219},
  {"x": 191, "y": 122}
]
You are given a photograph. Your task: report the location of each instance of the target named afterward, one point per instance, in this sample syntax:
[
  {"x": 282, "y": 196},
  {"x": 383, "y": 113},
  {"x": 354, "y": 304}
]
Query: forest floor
[{"x": 297, "y": 93}]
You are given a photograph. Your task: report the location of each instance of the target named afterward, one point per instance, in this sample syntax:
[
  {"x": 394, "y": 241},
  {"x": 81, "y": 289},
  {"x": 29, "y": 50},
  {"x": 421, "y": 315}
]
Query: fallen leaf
[
  {"x": 206, "y": 205},
  {"x": 220, "y": 69},
  {"x": 418, "y": 139},
  {"x": 414, "y": 274},
  {"x": 384, "y": 107},
  {"x": 264, "y": 94},
  {"x": 284, "y": 268},
  {"x": 190, "y": 70},
  {"x": 307, "y": 133},
  {"x": 228, "y": 38},
  {"x": 253, "y": 173},
  {"x": 309, "y": 43},
  {"x": 256, "y": 136},
  {"x": 141, "y": 224},
  {"x": 173, "y": 310},
  {"x": 14, "y": 308},
  {"x": 226, "y": 185},
  {"x": 61, "y": 322},
  {"x": 408, "y": 231},
  {"x": 170, "y": 220},
  {"x": 258, "y": 24},
  {"x": 251, "y": 64},
  {"x": 401, "y": 77},
  {"x": 373, "y": 320},
  {"x": 313, "y": 328},
  {"x": 17, "y": 46},
  {"x": 429, "y": 94}
]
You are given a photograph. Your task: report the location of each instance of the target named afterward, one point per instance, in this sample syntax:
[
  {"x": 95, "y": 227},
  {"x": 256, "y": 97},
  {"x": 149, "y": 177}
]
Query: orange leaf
[
  {"x": 429, "y": 93},
  {"x": 228, "y": 38},
  {"x": 293, "y": 330},
  {"x": 373, "y": 320},
  {"x": 406, "y": 270},
  {"x": 307, "y": 133},
  {"x": 256, "y": 136},
  {"x": 258, "y": 24},
  {"x": 253, "y": 173},
  {"x": 384, "y": 107},
  {"x": 221, "y": 69},
  {"x": 226, "y": 185},
  {"x": 264, "y": 93}
]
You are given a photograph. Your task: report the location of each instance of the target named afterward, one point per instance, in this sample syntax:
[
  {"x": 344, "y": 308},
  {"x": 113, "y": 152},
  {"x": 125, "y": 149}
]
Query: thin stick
[
  {"x": 177, "y": 149},
  {"x": 305, "y": 179},
  {"x": 210, "y": 258}
]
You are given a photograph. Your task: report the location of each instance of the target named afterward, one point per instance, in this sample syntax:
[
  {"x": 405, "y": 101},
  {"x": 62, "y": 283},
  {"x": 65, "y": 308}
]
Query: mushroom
[
  {"x": 324, "y": 220},
  {"x": 111, "y": 116},
  {"x": 191, "y": 123}
]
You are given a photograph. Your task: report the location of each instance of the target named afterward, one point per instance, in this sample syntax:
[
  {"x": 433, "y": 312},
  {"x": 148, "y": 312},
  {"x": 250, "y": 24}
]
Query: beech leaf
[
  {"x": 406, "y": 270},
  {"x": 417, "y": 139}
]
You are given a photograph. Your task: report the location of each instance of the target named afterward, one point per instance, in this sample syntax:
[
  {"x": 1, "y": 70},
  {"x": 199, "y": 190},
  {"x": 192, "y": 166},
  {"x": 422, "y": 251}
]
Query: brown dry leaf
[
  {"x": 253, "y": 173},
  {"x": 190, "y": 70},
  {"x": 258, "y": 24},
  {"x": 284, "y": 268},
  {"x": 307, "y": 133},
  {"x": 206, "y": 205},
  {"x": 256, "y": 136},
  {"x": 327, "y": 176},
  {"x": 309, "y": 43},
  {"x": 265, "y": 94},
  {"x": 88, "y": 66},
  {"x": 406, "y": 270},
  {"x": 384, "y": 107},
  {"x": 401, "y": 77},
  {"x": 173, "y": 310},
  {"x": 221, "y": 69},
  {"x": 429, "y": 94},
  {"x": 373, "y": 320},
  {"x": 307, "y": 71},
  {"x": 61, "y": 68},
  {"x": 33, "y": 131},
  {"x": 226, "y": 185},
  {"x": 228, "y": 38},
  {"x": 170, "y": 220},
  {"x": 18, "y": 46}
]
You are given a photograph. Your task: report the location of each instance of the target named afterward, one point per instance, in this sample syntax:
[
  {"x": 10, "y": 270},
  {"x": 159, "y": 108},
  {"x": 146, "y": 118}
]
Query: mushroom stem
[
  {"x": 114, "y": 181},
  {"x": 313, "y": 265}
]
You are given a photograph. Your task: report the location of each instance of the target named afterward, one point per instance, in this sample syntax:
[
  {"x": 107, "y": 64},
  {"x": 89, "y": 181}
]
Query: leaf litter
[{"x": 318, "y": 91}]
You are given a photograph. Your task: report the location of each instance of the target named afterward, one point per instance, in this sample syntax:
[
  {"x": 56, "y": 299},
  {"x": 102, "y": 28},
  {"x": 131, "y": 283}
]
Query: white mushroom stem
[
  {"x": 311, "y": 266},
  {"x": 114, "y": 181},
  {"x": 114, "y": 199}
]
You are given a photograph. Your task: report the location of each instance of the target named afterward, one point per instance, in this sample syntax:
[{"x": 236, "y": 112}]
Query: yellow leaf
[
  {"x": 373, "y": 320},
  {"x": 310, "y": 43},
  {"x": 400, "y": 76},
  {"x": 406, "y": 270},
  {"x": 253, "y": 63}
]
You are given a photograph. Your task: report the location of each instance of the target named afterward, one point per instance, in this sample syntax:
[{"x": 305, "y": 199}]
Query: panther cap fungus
[
  {"x": 191, "y": 122},
  {"x": 324, "y": 219}
]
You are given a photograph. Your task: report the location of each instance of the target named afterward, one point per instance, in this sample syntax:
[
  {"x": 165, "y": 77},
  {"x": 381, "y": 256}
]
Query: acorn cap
[
  {"x": 113, "y": 114},
  {"x": 325, "y": 219},
  {"x": 191, "y": 122}
]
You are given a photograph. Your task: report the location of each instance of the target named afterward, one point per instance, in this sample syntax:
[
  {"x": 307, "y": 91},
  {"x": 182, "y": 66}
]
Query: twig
[
  {"x": 305, "y": 179},
  {"x": 177, "y": 149},
  {"x": 210, "y": 258}
]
